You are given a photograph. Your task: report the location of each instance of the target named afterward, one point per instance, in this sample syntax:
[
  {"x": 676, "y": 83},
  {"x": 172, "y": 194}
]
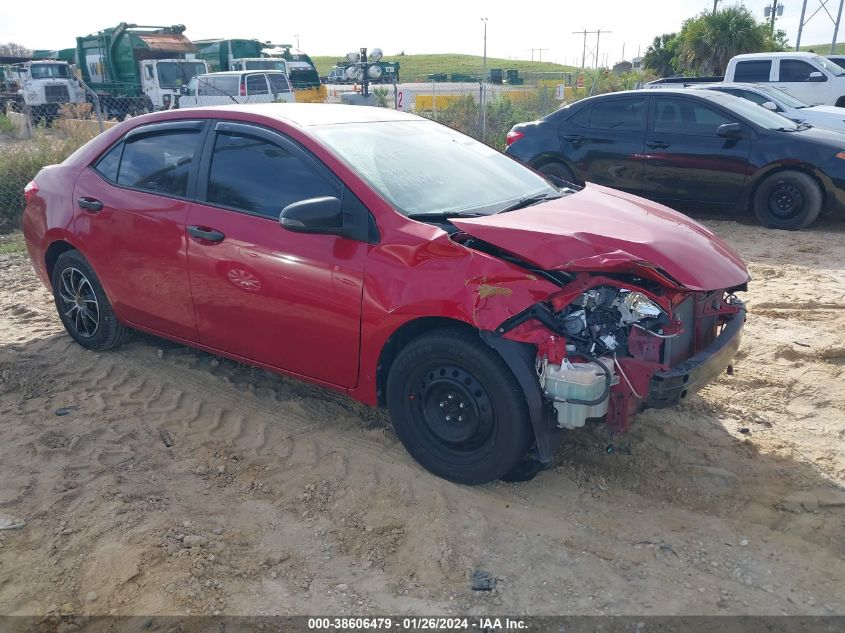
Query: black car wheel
[
  {"x": 457, "y": 407},
  {"x": 558, "y": 171},
  {"x": 82, "y": 304},
  {"x": 788, "y": 200}
]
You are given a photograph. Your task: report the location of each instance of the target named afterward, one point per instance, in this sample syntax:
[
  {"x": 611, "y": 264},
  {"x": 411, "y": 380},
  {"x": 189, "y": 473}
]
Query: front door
[
  {"x": 284, "y": 299},
  {"x": 130, "y": 218},
  {"x": 686, "y": 160},
  {"x": 795, "y": 77}
]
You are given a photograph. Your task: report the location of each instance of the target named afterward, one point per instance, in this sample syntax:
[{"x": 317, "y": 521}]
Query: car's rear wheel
[
  {"x": 788, "y": 200},
  {"x": 457, "y": 407},
  {"x": 558, "y": 170},
  {"x": 82, "y": 304}
]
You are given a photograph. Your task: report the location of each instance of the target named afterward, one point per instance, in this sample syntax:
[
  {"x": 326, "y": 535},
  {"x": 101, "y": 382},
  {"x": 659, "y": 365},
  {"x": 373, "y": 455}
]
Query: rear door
[
  {"x": 686, "y": 160},
  {"x": 288, "y": 300},
  {"x": 605, "y": 142},
  {"x": 794, "y": 77},
  {"x": 753, "y": 71},
  {"x": 257, "y": 90},
  {"x": 132, "y": 207}
]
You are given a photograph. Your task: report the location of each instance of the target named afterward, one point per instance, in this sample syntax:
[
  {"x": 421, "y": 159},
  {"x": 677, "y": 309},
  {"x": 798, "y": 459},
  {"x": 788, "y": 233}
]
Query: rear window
[
  {"x": 618, "y": 114},
  {"x": 256, "y": 85},
  {"x": 753, "y": 71},
  {"x": 278, "y": 82},
  {"x": 159, "y": 163},
  {"x": 227, "y": 85}
]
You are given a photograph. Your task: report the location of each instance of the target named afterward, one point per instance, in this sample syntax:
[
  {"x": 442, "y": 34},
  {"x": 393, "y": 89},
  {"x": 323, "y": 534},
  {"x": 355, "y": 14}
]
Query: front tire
[
  {"x": 457, "y": 407},
  {"x": 82, "y": 304},
  {"x": 788, "y": 200}
]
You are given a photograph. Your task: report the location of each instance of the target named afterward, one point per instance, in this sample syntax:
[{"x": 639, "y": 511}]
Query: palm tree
[
  {"x": 707, "y": 42},
  {"x": 660, "y": 56}
]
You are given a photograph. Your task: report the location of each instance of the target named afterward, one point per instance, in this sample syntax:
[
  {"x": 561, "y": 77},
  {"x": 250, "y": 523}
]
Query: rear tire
[
  {"x": 559, "y": 171},
  {"x": 788, "y": 200},
  {"x": 82, "y": 304},
  {"x": 457, "y": 407}
]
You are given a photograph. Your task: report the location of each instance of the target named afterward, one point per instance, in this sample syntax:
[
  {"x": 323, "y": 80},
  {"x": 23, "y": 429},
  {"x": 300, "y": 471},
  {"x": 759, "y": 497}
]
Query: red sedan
[{"x": 389, "y": 257}]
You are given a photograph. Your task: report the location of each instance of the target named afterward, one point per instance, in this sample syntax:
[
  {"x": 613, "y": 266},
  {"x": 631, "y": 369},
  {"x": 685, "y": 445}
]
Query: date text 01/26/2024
[{"x": 415, "y": 624}]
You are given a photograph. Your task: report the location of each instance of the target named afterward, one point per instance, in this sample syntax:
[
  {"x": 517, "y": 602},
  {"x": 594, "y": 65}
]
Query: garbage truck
[
  {"x": 252, "y": 54},
  {"x": 136, "y": 69},
  {"x": 41, "y": 86}
]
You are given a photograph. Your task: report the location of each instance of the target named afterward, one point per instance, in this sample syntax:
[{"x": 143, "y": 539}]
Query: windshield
[
  {"x": 754, "y": 113},
  {"x": 829, "y": 66},
  {"x": 175, "y": 74},
  {"x": 781, "y": 97},
  {"x": 266, "y": 64},
  {"x": 423, "y": 167},
  {"x": 49, "y": 71}
]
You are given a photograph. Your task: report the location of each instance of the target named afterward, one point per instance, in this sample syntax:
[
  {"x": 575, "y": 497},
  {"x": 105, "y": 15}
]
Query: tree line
[{"x": 706, "y": 43}]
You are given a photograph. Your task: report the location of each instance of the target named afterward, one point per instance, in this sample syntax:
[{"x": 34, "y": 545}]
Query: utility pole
[
  {"x": 485, "y": 46},
  {"x": 540, "y": 50},
  {"x": 598, "y": 39},
  {"x": 297, "y": 42},
  {"x": 584, "y": 50},
  {"x": 774, "y": 15},
  {"x": 836, "y": 28}
]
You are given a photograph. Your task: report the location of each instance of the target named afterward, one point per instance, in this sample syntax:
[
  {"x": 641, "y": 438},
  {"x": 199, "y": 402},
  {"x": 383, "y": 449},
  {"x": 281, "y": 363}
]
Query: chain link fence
[{"x": 31, "y": 137}]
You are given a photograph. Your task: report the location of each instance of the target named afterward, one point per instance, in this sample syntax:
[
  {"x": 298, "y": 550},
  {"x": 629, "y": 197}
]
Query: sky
[{"x": 328, "y": 27}]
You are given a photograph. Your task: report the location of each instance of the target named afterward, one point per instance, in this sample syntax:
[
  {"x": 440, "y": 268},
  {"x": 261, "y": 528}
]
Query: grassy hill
[
  {"x": 822, "y": 49},
  {"x": 418, "y": 66}
]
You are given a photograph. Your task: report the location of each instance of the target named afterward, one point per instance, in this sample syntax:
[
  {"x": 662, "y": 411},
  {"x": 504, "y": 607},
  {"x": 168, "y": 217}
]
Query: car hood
[{"x": 604, "y": 230}]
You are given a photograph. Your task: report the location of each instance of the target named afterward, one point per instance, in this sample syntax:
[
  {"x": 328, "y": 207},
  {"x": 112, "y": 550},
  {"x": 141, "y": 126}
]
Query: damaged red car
[{"x": 394, "y": 259}]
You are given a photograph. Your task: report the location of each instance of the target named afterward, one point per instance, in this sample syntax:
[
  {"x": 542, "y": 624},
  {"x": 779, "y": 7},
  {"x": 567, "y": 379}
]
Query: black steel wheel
[
  {"x": 788, "y": 200},
  {"x": 457, "y": 407},
  {"x": 82, "y": 304}
]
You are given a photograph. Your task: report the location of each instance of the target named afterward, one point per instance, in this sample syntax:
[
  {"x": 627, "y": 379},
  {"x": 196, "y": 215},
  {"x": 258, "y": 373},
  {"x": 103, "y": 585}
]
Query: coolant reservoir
[{"x": 579, "y": 381}]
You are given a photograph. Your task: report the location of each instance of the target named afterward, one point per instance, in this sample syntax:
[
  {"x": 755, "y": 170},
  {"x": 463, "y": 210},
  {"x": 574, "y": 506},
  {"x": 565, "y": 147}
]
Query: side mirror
[
  {"x": 816, "y": 76},
  {"x": 770, "y": 105},
  {"x": 315, "y": 215},
  {"x": 729, "y": 130}
]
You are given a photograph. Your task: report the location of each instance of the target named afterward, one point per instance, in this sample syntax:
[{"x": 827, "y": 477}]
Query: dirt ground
[{"x": 277, "y": 497}]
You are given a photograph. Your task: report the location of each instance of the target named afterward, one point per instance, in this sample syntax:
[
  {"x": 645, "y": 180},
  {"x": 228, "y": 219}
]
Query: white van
[
  {"x": 806, "y": 76},
  {"x": 237, "y": 86}
]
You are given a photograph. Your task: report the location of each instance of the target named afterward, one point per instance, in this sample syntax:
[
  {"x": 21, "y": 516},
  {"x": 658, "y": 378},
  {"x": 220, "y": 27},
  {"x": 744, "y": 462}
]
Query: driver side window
[
  {"x": 252, "y": 174},
  {"x": 684, "y": 116}
]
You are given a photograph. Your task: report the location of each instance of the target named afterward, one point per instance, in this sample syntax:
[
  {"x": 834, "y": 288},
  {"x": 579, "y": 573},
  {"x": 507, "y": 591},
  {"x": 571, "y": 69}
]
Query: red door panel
[
  {"x": 285, "y": 299},
  {"x": 136, "y": 245}
]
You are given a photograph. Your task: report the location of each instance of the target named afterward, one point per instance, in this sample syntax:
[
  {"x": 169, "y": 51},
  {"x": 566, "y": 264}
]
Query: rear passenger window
[
  {"x": 753, "y": 71},
  {"x": 217, "y": 86},
  {"x": 256, "y": 85},
  {"x": 794, "y": 70},
  {"x": 254, "y": 175},
  {"x": 618, "y": 114},
  {"x": 279, "y": 83},
  {"x": 160, "y": 163},
  {"x": 582, "y": 119}
]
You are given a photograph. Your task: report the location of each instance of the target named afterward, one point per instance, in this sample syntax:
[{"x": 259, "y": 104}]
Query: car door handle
[
  {"x": 206, "y": 234},
  {"x": 657, "y": 144},
  {"x": 574, "y": 138},
  {"x": 92, "y": 205}
]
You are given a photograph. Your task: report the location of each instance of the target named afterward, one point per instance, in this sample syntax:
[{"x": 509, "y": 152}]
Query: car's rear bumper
[{"x": 672, "y": 386}]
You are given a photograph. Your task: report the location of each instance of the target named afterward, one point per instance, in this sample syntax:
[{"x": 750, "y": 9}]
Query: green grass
[
  {"x": 413, "y": 67},
  {"x": 12, "y": 243},
  {"x": 824, "y": 49}
]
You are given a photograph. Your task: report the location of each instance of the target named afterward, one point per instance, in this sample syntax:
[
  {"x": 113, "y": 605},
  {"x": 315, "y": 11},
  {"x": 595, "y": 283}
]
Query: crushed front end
[{"x": 610, "y": 346}]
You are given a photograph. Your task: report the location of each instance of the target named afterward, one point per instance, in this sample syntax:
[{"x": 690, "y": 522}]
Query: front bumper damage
[{"x": 672, "y": 386}]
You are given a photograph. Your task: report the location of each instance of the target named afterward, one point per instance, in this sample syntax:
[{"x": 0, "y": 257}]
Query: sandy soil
[{"x": 280, "y": 498}]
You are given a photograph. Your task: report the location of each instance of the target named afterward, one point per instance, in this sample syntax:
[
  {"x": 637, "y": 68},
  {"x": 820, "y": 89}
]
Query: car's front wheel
[
  {"x": 82, "y": 304},
  {"x": 457, "y": 407},
  {"x": 789, "y": 200}
]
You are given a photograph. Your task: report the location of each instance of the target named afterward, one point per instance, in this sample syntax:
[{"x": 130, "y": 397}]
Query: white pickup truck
[{"x": 806, "y": 76}]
